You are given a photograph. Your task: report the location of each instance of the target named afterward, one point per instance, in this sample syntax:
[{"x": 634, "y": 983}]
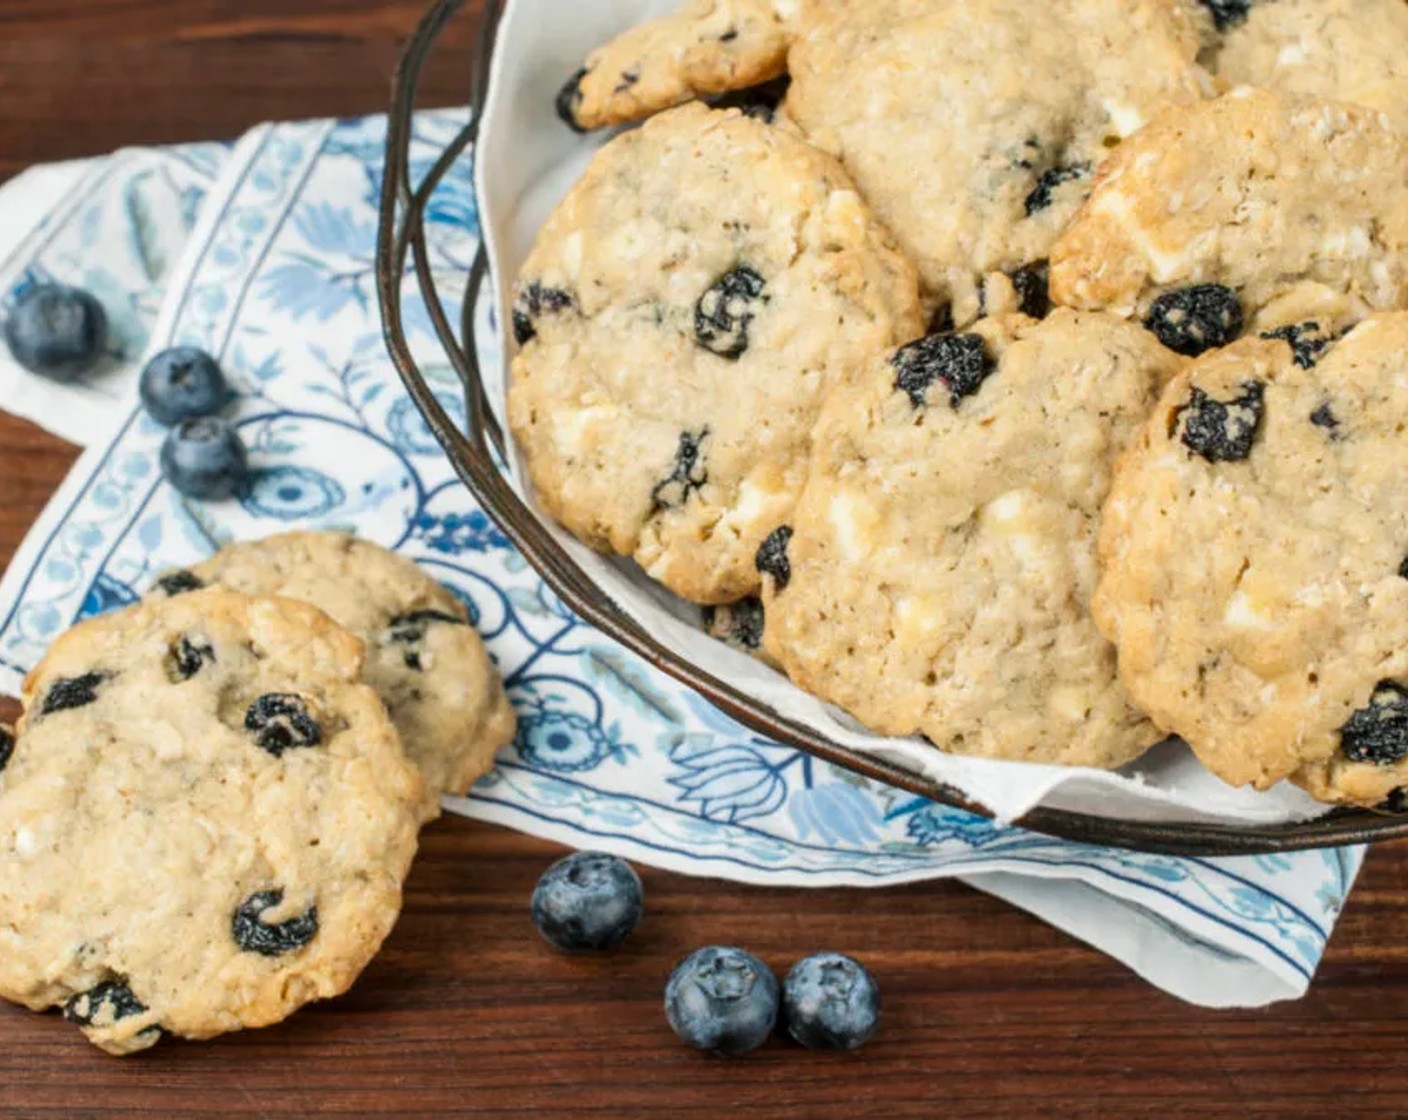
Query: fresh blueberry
[
  {"x": 589, "y": 900},
  {"x": 830, "y": 1002},
  {"x": 57, "y": 331},
  {"x": 204, "y": 457},
  {"x": 722, "y": 999},
  {"x": 182, "y": 382}
]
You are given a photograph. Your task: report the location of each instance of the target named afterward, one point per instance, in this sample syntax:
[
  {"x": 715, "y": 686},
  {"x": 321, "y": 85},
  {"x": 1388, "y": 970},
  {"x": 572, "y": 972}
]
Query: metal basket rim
[{"x": 472, "y": 453}]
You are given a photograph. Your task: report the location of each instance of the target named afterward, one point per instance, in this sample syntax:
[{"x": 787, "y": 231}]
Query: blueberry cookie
[
  {"x": 937, "y": 573},
  {"x": 679, "y": 322},
  {"x": 974, "y": 126},
  {"x": 707, "y": 47},
  {"x": 1250, "y": 213},
  {"x": 1339, "y": 50},
  {"x": 205, "y": 821},
  {"x": 423, "y": 657},
  {"x": 1255, "y": 577}
]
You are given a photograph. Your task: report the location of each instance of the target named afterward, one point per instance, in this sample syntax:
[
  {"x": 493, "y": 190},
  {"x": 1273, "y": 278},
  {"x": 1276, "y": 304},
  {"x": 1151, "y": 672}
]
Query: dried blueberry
[
  {"x": 1040, "y": 197},
  {"x": 254, "y": 935},
  {"x": 71, "y": 692},
  {"x": 1031, "y": 282},
  {"x": 412, "y": 627},
  {"x": 759, "y": 102},
  {"x": 688, "y": 474},
  {"x": 961, "y": 362},
  {"x": 1192, "y": 320},
  {"x": 738, "y": 624},
  {"x": 409, "y": 630},
  {"x": 726, "y": 310},
  {"x": 1222, "y": 431},
  {"x": 1378, "y": 733},
  {"x": 106, "y": 1002},
  {"x": 281, "y": 722},
  {"x": 1225, "y": 13},
  {"x": 569, "y": 100},
  {"x": 1324, "y": 417},
  {"x": 533, "y": 299},
  {"x": 7, "y": 747},
  {"x": 772, "y": 559},
  {"x": 1306, "y": 340},
  {"x": 178, "y": 582},
  {"x": 1403, "y": 569},
  {"x": 1395, "y": 802},
  {"x": 628, "y": 79},
  {"x": 189, "y": 657}
]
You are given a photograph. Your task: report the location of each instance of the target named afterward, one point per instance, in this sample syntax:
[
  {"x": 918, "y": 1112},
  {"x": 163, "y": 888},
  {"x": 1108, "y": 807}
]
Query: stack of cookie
[
  {"x": 212, "y": 798},
  {"x": 1033, "y": 378}
]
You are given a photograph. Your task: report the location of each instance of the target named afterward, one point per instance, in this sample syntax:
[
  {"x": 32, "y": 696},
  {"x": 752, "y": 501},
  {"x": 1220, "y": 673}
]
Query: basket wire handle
[{"x": 473, "y": 454}]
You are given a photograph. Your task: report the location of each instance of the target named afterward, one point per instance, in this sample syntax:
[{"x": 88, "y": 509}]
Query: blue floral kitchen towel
[
  {"x": 276, "y": 279},
  {"x": 117, "y": 227}
]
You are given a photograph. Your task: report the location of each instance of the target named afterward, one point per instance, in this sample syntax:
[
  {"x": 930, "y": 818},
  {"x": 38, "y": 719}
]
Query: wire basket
[{"x": 477, "y": 451}]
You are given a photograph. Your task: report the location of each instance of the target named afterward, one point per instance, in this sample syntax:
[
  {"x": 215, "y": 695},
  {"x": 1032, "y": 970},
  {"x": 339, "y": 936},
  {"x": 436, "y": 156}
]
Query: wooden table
[{"x": 988, "y": 1012}]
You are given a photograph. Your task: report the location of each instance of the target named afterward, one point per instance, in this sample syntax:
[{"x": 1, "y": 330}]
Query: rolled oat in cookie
[{"x": 205, "y": 820}]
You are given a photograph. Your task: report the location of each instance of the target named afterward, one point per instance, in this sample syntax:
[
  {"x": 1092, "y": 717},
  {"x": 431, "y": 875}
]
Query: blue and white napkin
[{"x": 275, "y": 240}]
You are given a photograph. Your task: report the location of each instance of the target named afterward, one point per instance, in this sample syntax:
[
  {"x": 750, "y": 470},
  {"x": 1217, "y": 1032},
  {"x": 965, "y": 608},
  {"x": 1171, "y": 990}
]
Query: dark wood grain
[{"x": 988, "y": 1012}]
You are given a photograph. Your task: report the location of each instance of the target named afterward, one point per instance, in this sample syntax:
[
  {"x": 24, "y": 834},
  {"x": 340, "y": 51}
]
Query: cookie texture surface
[
  {"x": 1253, "y": 212},
  {"x": 937, "y": 574},
  {"x": 1338, "y": 50},
  {"x": 1255, "y": 577},
  {"x": 205, "y": 821},
  {"x": 974, "y": 126},
  {"x": 423, "y": 656},
  {"x": 707, "y": 47},
  {"x": 680, "y": 320}
]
